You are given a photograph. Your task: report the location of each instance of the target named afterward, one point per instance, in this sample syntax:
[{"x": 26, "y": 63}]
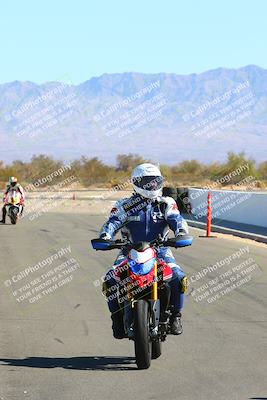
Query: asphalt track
[{"x": 61, "y": 348}]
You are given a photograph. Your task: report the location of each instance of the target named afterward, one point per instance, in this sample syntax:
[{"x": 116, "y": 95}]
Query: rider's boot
[
  {"x": 176, "y": 327},
  {"x": 3, "y": 220},
  {"x": 117, "y": 325}
]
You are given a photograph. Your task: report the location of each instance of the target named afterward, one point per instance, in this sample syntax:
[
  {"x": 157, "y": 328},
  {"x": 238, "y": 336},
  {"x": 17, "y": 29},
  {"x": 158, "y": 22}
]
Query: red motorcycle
[{"x": 143, "y": 293}]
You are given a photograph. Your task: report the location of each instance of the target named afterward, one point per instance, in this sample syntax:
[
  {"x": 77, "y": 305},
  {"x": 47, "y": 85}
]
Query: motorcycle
[
  {"x": 13, "y": 206},
  {"x": 143, "y": 293}
]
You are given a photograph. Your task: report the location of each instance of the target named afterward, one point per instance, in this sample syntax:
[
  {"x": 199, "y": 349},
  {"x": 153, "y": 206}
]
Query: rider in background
[
  {"x": 12, "y": 185},
  {"x": 143, "y": 217}
]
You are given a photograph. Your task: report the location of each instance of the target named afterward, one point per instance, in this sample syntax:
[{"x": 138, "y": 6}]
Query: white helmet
[{"x": 147, "y": 180}]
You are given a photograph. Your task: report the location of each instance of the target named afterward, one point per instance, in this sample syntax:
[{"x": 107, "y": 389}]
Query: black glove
[
  {"x": 105, "y": 236},
  {"x": 181, "y": 232}
]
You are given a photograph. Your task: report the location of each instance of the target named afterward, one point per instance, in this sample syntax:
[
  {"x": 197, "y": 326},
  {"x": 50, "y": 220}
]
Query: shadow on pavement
[
  {"x": 258, "y": 398},
  {"x": 91, "y": 363}
]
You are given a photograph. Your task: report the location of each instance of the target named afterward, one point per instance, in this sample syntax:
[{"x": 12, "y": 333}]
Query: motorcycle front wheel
[
  {"x": 13, "y": 219},
  {"x": 142, "y": 341}
]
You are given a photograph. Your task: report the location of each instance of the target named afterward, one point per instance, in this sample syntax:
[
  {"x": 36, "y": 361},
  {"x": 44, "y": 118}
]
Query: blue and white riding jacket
[{"x": 141, "y": 219}]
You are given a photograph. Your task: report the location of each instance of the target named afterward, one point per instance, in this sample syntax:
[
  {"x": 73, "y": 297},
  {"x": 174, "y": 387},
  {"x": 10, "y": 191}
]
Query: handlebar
[{"x": 107, "y": 244}]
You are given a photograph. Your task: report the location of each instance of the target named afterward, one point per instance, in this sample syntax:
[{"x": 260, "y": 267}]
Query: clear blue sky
[{"x": 49, "y": 40}]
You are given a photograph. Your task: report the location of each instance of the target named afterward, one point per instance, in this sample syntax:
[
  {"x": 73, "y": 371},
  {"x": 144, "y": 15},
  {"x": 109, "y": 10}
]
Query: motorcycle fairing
[
  {"x": 142, "y": 268},
  {"x": 141, "y": 256},
  {"x": 13, "y": 198},
  {"x": 167, "y": 270},
  {"x": 142, "y": 281}
]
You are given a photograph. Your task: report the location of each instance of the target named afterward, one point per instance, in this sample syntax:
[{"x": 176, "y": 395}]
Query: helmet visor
[{"x": 149, "y": 182}]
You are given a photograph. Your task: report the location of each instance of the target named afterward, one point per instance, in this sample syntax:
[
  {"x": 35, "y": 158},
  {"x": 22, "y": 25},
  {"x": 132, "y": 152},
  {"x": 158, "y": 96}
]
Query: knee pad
[
  {"x": 184, "y": 284},
  {"x": 109, "y": 285}
]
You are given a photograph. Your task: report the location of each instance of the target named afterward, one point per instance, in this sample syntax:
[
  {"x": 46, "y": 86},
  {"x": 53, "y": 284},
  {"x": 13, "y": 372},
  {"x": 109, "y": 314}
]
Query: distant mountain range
[{"x": 164, "y": 117}]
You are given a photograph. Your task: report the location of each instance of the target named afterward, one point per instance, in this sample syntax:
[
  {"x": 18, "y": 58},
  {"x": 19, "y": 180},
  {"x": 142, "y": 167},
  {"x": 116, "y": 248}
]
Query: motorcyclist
[
  {"x": 143, "y": 217},
  {"x": 12, "y": 185}
]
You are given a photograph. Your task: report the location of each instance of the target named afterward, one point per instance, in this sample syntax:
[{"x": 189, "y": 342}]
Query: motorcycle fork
[
  {"x": 128, "y": 309},
  {"x": 154, "y": 304},
  {"x": 155, "y": 283}
]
